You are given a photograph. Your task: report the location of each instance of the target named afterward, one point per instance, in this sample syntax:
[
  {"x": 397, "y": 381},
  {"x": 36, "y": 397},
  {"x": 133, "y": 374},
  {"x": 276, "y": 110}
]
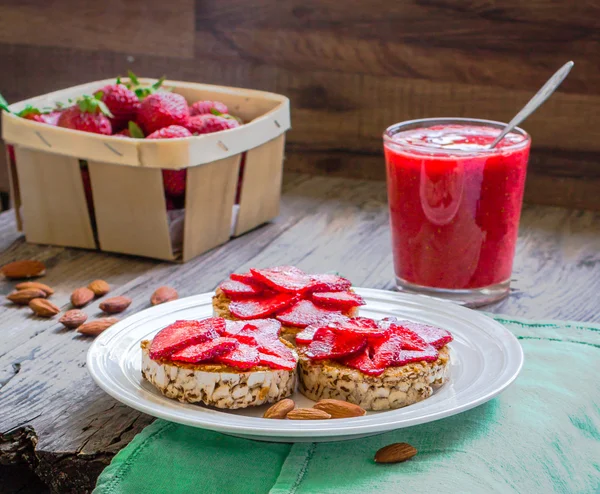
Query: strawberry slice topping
[
  {"x": 433, "y": 335},
  {"x": 205, "y": 351},
  {"x": 243, "y": 357},
  {"x": 339, "y": 300},
  {"x": 329, "y": 283},
  {"x": 257, "y": 307},
  {"x": 304, "y": 313},
  {"x": 235, "y": 289},
  {"x": 327, "y": 345},
  {"x": 275, "y": 362},
  {"x": 284, "y": 278},
  {"x": 182, "y": 334},
  {"x": 400, "y": 350},
  {"x": 364, "y": 363},
  {"x": 243, "y": 277}
]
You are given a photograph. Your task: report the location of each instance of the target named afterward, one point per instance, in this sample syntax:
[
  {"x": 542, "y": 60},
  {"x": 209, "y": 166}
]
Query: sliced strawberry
[
  {"x": 329, "y": 283},
  {"x": 305, "y": 336},
  {"x": 205, "y": 351},
  {"x": 232, "y": 328},
  {"x": 338, "y": 300},
  {"x": 284, "y": 278},
  {"x": 258, "y": 307},
  {"x": 327, "y": 344},
  {"x": 304, "y": 313},
  {"x": 400, "y": 350},
  {"x": 243, "y": 277},
  {"x": 363, "y": 362},
  {"x": 185, "y": 333},
  {"x": 275, "y": 362},
  {"x": 433, "y": 335},
  {"x": 238, "y": 289},
  {"x": 243, "y": 357},
  {"x": 265, "y": 332},
  {"x": 410, "y": 340}
]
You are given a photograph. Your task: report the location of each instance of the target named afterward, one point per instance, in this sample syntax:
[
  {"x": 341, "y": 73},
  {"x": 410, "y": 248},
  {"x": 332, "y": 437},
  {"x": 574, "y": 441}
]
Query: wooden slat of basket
[
  {"x": 210, "y": 196},
  {"x": 261, "y": 186},
  {"x": 131, "y": 213},
  {"x": 15, "y": 193},
  {"x": 54, "y": 210}
]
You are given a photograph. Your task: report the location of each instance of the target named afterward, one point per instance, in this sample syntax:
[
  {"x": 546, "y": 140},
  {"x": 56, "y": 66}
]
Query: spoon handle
[{"x": 542, "y": 95}]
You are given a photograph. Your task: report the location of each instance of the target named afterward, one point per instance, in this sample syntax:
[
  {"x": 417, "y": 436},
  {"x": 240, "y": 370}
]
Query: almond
[
  {"x": 99, "y": 287},
  {"x": 339, "y": 409},
  {"x": 23, "y": 297},
  {"x": 280, "y": 409},
  {"x": 82, "y": 296},
  {"x": 73, "y": 318},
  {"x": 23, "y": 269},
  {"x": 307, "y": 414},
  {"x": 43, "y": 308},
  {"x": 163, "y": 294},
  {"x": 94, "y": 328},
  {"x": 26, "y": 285},
  {"x": 395, "y": 453},
  {"x": 115, "y": 305}
]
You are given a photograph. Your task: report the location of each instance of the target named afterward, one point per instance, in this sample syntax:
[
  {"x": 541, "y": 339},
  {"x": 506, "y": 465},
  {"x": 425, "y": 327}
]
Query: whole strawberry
[
  {"x": 132, "y": 130},
  {"x": 89, "y": 114},
  {"x": 207, "y": 124},
  {"x": 48, "y": 117},
  {"x": 173, "y": 180},
  {"x": 122, "y": 102},
  {"x": 162, "y": 109},
  {"x": 205, "y": 107}
]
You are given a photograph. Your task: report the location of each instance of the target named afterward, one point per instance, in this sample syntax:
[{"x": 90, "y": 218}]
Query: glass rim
[{"x": 428, "y": 122}]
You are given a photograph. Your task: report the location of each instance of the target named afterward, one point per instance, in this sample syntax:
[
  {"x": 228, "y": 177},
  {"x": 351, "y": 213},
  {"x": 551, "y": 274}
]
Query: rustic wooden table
[{"x": 56, "y": 424}]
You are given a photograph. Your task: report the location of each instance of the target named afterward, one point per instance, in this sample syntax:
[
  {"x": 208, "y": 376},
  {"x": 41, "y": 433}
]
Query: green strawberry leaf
[
  {"x": 29, "y": 110},
  {"x": 89, "y": 104},
  {"x": 133, "y": 78},
  {"x": 98, "y": 95},
  {"x": 216, "y": 112},
  {"x": 104, "y": 109},
  {"x": 135, "y": 131},
  {"x": 4, "y": 104},
  {"x": 118, "y": 80},
  {"x": 156, "y": 86}
]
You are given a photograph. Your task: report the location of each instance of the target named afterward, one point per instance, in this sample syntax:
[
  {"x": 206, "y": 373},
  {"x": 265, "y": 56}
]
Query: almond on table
[
  {"x": 99, "y": 287},
  {"x": 25, "y": 285},
  {"x": 395, "y": 453},
  {"x": 115, "y": 305},
  {"x": 82, "y": 296},
  {"x": 43, "y": 308},
  {"x": 94, "y": 328},
  {"x": 23, "y": 297},
  {"x": 73, "y": 318},
  {"x": 23, "y": 269},
  {"x": 163, "y": 294}
]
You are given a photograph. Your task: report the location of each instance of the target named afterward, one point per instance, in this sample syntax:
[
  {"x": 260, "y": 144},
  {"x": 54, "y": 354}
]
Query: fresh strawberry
[
  {"x": 205, "y": 107},
  {"x": 170, "y": 132},
  {"x": 207, "y": 124},
  {"x": 433, "y": 335},
  {"x": 162, "y": 109},
  {"x": 174, "y": 180},
  {"x": 205, "y": 351},
  {"x": 243, "y": 357},
  {"x": 399, "y": 350},
  {"x": 360, "y": 326},
  {"x": 283, "y": 278},
  {"x": 31, "y": 113},
  {"x": 232, "y": 327},
  {"x": 329, "y": 283},
  {"x": 122, "y": 102},
  {"x": 339, "y": 300},
  {"x": 304, "y": 313},
  {"x": 123, "y": 133},
  {"x": 182, "y": 334},
  {"x": 328, "y": 345},
  {"x": 87, "y": 115},
  {"x": 257, "y": 307},
  {"x": 238, "y": 289}
]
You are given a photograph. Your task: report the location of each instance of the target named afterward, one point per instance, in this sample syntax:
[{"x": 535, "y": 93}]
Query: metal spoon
[{"x": 534, "y": 103}]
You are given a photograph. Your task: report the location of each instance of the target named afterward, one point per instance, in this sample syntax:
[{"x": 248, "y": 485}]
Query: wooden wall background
[{"x": 350, "y": 68}]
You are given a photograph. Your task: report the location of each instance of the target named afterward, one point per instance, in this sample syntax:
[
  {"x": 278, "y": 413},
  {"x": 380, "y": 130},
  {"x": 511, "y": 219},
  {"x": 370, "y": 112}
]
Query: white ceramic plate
[{"x": 485, "y": 359}]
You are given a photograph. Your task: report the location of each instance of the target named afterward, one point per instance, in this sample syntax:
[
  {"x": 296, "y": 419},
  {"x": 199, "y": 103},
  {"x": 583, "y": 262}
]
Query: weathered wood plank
[{"x": 325, "y": 224}]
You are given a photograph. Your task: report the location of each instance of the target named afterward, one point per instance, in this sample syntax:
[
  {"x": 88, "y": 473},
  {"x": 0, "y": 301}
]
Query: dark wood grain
[
  {"x": 55, "y": 419},
  {"x": 350, "y": 68}
]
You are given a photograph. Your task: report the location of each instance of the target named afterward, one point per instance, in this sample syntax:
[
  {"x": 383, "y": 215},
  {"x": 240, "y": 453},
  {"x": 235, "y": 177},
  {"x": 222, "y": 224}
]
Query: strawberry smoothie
[{"x": 455, "y": 206}]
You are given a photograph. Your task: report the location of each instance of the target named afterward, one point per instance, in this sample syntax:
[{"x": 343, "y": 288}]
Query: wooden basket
[{"x": 129, "y": 214}]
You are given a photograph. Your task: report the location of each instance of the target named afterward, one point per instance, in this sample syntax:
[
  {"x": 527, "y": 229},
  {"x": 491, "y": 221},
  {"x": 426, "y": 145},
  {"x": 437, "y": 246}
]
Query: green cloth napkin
[{"x": 542, "y": 435}]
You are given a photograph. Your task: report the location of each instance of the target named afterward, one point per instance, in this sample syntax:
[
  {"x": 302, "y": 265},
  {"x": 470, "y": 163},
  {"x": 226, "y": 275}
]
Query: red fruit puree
[{"x": 455, "y": 205}]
